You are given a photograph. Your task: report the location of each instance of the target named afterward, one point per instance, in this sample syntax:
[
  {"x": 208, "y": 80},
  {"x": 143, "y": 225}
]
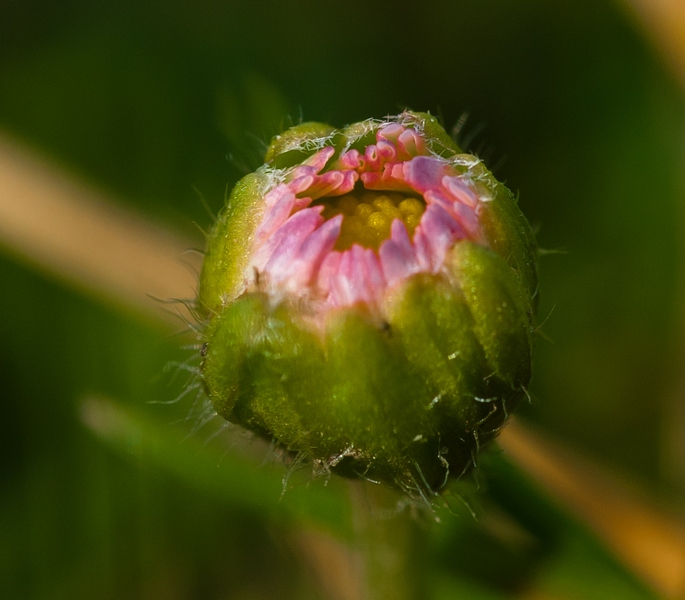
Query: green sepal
[
  {"x": 229, "y": 244},
  {"x": 294, "y": 145},
  {"x": 285, "y": 364},
  {"x": 381, "y": 401},
  {"x": 510, "y": 235},
  {"x": 435, "y": 325},
  {"x": 501, "y": 309},
  {"x": 353, "y": 402},
  {"x": 228, "y": 339},
  {"x": 258, "y": 368},
  {"x": 437, "y": 138}
]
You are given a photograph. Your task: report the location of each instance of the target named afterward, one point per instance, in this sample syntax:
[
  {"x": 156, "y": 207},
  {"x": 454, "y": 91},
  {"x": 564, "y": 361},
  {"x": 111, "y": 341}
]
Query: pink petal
[
  {"x": 313, "y": 164},
  {"x": 311, "y": 254},
  {"x": 425, "y": 172},
  {"x": 301, "y": 184},
  {"x": 377, "y": 155},
  {"x": 300, "y": 172},
  {"x": 347, "y": 184},
  {"x": 276, "y": 215},
  {"x": 459, "y": 190},
  {"x": 467, "y": 218},
  {"x": 301, "y": 203},
  {"x": 350, "y": 160},
  {"x": 437, "y": 196},
  {"x": 391, "y": 179},
  {"x": 321, "y": 242},
  {"x": 341, "y": 293},
  {"x": 359, "y": 287},
  {"x": 441, "y": 230},
  {"x": 423, "y": 250},
  {"x": 390, "y": 132},
  {"x": 273, "y": 196},
  {"x": 319, "y": 160},
  {"x": 397, "y": 255},
  {"x": 373, "y": 275},
  {"x": 285, "y": 242},
  {"x": 330, "y": 183},
  {"x": 386, "y": 150},
  {"x": 409, "y": 144},
  {"x": 329, "y": 267}
]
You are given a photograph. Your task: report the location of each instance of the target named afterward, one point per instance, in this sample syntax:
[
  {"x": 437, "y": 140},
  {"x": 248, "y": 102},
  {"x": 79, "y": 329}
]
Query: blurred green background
[{"x": 571, "y": 105}]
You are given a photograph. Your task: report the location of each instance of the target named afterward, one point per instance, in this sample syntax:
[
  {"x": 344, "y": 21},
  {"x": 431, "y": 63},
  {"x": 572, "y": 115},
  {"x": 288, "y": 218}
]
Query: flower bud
[{"x": 369, "y": 295}]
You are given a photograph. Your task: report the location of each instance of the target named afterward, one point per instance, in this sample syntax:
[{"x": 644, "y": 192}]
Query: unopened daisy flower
[{"x": 369, "y": 294}]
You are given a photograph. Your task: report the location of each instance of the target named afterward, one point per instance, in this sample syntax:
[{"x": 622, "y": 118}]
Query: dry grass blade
[
  {"x": 72, "y": 232},
  {"x": 649, "y": 542},
  {"x": 664, "y": 23}
]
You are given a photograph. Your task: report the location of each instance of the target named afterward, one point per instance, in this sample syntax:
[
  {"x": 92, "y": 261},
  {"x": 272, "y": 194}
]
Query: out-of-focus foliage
[{"x": 566, "y": 101}]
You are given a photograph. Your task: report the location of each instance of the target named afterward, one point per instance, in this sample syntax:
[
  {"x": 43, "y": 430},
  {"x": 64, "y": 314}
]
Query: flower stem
[{"x": 390, "y": 539}]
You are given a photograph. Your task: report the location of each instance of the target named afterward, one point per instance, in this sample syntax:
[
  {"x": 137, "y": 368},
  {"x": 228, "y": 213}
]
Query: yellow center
[{"x": 368, "y": 217}]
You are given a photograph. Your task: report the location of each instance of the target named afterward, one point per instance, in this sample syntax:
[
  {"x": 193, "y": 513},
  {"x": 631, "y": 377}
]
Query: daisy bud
[{"x": 369, "y": 295}]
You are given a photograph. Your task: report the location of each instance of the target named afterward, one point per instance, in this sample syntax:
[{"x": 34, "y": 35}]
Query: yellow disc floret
[{"x": 368, "y": 217}]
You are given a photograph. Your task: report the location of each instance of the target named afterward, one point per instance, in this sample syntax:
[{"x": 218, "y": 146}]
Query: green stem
[{"x": 391, "y": 541}]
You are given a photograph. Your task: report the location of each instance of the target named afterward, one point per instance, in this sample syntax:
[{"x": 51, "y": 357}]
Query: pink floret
[{"x": 293, "y": 245}]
